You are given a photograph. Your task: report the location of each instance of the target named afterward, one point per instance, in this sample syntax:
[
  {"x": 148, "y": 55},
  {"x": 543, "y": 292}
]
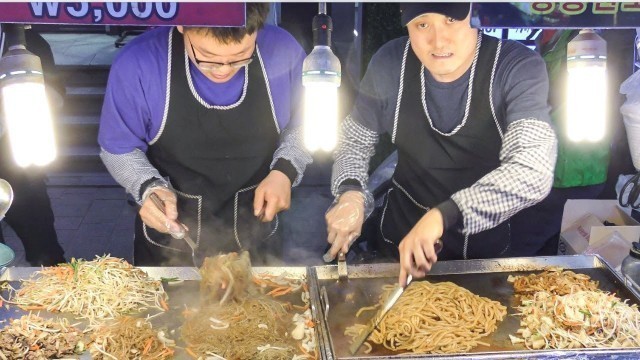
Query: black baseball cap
[{"x": 409, "y": 11}]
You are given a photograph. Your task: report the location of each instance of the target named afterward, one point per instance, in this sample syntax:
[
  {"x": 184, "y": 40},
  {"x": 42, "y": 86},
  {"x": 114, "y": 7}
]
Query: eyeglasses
[{"x": 212, "y": 65}]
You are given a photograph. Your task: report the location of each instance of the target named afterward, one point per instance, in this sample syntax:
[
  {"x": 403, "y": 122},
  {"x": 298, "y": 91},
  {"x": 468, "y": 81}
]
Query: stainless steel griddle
[{"x": 339, "y": 302}]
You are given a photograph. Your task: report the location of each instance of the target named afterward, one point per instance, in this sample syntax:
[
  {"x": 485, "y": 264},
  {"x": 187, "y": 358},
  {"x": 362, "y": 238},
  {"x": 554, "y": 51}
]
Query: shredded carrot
[
  {"x": 190, "y": 352},
  {"x": 164, "y": 305},
  {"x": 282, "y": 292},
  {"x": 310, "y": 323},
  {"x": 305, "y": 352},
  {"x": 147, "y": 346},
  {"x": 166, "y": 351},
  {"x": 276, "y": 290}
]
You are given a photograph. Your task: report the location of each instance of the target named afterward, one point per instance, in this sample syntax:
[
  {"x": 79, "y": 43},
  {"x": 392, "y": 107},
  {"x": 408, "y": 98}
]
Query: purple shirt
[{"x": 136, "y": 91}]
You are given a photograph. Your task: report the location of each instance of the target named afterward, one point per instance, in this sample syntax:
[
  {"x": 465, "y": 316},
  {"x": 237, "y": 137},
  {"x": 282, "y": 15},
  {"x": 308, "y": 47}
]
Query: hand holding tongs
[
  {"x": 182, "y": 235},
  {"x": 384, "y": 310}
]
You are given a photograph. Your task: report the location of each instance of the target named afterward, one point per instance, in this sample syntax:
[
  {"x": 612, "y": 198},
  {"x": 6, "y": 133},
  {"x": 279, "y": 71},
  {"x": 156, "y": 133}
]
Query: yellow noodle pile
[{"x": 437, "y": 318}]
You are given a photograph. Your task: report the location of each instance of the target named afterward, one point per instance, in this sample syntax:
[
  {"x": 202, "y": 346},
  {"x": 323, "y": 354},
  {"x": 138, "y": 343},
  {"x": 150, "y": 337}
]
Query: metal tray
[
  {"x": 179, "y": 295},
  {"x": 339, "y": 302}
]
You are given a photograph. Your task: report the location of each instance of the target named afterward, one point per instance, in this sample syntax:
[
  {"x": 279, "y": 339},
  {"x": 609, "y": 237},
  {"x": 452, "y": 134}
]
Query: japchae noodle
[
  {"x": 95, "y": 290},
  {"x": 237, "y": 330},
  {"x": 32, "y": 337},
  {"x": 583, "y": 319},
  {"x": 434, "y": 318},
  {"x": 129, "y": 338},
  {"x": 226, "y": 277},
  {"x": 240, "y": 317}
]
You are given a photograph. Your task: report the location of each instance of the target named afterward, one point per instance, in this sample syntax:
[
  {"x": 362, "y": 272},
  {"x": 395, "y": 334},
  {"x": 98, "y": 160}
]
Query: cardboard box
[{"x": 583, "y": 228}]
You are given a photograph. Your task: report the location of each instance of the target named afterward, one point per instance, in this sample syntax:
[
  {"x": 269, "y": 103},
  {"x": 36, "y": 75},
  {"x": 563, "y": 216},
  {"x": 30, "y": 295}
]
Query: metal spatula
[
  {"x": 185, "y": 234},
  {"x": 384, "y": 310},
  {"x": 375, "y": 321}
]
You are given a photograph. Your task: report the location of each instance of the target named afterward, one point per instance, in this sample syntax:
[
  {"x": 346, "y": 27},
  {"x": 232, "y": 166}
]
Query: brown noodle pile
[
  {"x": 226, "y": 277},
  {"x": 237, "y": 320},
  {"x": 239, "y": 329},
  {"x": 555, "y": 281},
  {"x": 438, "y": 318},
  {"x": 129, "y": 338}
]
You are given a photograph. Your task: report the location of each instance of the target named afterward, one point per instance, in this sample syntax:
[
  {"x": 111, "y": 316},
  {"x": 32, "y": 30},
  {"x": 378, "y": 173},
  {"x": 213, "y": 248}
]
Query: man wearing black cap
[{"x": 469, "y": 117}]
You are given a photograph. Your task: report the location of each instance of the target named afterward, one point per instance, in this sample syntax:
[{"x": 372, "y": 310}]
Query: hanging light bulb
[
  {"x": 587, "y": 87},
  {"x": 25, "y": 105},
  {"x": 321, "y": 78}
]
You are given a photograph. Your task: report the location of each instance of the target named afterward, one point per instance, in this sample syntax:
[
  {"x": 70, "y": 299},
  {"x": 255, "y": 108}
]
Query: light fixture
[
  {"x": 321, "y": 78},
  {"x": 586, "y": 87},
  {"x": 25, "y": 106}
]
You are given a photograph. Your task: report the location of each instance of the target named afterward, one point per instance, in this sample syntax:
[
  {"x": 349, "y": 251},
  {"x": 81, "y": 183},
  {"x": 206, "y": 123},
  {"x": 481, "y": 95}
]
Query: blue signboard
[
  {"x": 124, "y": 13},
  {"x": 572, "y": 15}
]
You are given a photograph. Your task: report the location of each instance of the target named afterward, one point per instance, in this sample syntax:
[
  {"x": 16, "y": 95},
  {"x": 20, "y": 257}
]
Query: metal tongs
[{"x": 185, "y": 233}]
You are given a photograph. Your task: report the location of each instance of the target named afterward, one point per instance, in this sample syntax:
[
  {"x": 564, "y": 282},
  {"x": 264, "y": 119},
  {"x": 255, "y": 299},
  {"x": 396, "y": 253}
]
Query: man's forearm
[
  {"x": 524, "y": 178},
  {"x": 292, "y": 149},
  {"x": 131, "y": 170},
  {"x": 356, "y": 146}
]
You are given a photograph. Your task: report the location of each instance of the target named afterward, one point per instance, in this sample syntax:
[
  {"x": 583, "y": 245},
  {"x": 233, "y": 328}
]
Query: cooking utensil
[
  {"x": 373, "y": 323},
  {"x": 6, "y": 197},
  {"x": 185, "y": 233},
  {"x": 384, "y": 310},
  {"x": 342, "y": 267}
]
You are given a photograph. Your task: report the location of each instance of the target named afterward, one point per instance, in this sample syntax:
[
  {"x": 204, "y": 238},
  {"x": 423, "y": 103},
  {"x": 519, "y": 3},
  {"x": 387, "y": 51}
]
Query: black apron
[
  {"x": 433, "y": 165},
  {"x": 215, "y": 158}
]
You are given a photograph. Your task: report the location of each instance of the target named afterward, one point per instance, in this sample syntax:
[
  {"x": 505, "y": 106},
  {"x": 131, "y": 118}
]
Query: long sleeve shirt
[
  {"x": 136, "y": 97},
  {"x": 519, "y": 103}
]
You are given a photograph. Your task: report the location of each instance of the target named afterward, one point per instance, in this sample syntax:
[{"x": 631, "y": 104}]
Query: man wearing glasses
[{"x": 204, "y": 118}]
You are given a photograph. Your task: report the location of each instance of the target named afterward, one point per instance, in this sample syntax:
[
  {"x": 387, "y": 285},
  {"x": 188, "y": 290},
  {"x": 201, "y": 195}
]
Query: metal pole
[{"x": 322, "y": 8}]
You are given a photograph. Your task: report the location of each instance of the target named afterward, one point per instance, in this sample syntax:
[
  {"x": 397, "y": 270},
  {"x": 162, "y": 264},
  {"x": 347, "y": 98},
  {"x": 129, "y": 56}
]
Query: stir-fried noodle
[
  {"x": 555, "y": 281},
  {"x": 31, "y": 337},
  {"x": 564, "y": 310},
  {"x": 94, "y": 290},
  {"x": 242, "y": 318},
  {"x": 434, "y": 318},
  {"x": 584, "y": 319},
  {"x": 130, "y": 338}
]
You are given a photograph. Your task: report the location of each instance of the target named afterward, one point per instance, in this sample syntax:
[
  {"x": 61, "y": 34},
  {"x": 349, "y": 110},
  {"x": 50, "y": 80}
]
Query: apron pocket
[
  {"x": 249, "y": 232},
  {"x": 399, "y": 215},
  {"x": 491, "y": 243}
]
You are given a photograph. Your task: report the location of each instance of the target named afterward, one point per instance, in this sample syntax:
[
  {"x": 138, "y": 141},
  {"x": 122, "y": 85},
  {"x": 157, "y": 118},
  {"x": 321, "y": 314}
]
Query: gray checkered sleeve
[
  {"x": 524, "y": 178},
  {"x": 130, "y": 170},
  {"x": 292, "y": 149},
  {"x": 356, "y": 145}
]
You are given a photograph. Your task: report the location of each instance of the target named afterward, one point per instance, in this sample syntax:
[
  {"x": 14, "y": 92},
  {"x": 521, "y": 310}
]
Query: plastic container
[
  {"x": 613, "y": 249},
  {"x": 631, "y": 264}
]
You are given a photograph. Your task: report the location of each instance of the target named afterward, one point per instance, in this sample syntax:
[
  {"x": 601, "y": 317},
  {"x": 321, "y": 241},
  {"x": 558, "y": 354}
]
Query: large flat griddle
[
  {"x": 339, "y": 302},
  {"x": 180, "y": 294}
]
